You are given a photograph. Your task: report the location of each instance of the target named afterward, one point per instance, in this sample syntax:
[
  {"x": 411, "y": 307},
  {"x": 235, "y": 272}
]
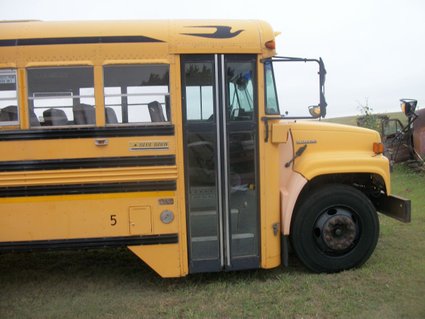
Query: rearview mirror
[
  {"x": 315, "y": 111},
  {"x": 322, "y": 77},
  {"x": 408, "y": 106}
]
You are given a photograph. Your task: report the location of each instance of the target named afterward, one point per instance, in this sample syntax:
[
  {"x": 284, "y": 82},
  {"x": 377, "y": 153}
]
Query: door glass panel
[
  {"x": 240, "y": 90},
  {"x": 201, "y": 150},
  {"x": 199, "y": 91},
  {"x": 203, "y": 197},
  {"x": 241, "y": 136},
  {"x": 243, "y": 194}
]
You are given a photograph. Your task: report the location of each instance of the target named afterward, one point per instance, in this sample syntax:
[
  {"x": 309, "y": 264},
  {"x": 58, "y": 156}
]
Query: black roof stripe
[{"x": 78, "y": 40}]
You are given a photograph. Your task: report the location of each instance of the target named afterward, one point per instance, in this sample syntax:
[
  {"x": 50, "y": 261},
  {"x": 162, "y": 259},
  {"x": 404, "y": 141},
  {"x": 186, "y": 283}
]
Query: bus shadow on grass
[{"x": 119, "y": 266}]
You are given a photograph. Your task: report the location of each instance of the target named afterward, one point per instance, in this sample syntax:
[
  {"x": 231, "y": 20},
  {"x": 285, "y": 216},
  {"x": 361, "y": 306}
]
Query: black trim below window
[
  {"x": 78, "y": 40},
  {"x": 87, "y": 132},
  {"x": 88, "y": 242},
  {"x": 78, "y": 189},
  {"x": 82, "y": 163}
]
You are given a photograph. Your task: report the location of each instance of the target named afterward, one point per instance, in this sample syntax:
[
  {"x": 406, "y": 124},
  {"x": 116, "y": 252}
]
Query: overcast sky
[{"x": 373, "y": 50}]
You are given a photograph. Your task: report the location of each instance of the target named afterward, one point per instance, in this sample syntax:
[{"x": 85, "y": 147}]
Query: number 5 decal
[{"x": 113, "y": 220}]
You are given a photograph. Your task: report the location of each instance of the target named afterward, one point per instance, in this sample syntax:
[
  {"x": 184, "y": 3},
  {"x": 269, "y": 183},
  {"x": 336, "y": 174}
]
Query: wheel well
[{"x": 372, "y": 185}]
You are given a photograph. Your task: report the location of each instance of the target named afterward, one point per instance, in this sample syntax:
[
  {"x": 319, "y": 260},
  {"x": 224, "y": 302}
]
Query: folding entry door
[{"x": 221, "y": 154}]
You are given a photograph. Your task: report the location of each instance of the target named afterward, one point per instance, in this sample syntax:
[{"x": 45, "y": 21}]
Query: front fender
[
  {"x": 330, "y": 150},
  {"x": 326, "y": 163}
]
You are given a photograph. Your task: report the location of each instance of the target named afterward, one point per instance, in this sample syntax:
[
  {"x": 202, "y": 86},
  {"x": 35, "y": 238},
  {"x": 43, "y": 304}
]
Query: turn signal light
[
  {"x": 378, "y": 148},
  {"x": 271, "y": 45}
]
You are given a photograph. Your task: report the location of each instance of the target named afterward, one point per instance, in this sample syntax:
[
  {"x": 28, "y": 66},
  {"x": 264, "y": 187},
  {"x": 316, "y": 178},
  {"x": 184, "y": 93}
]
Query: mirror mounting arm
[{"x": 322, "y": 76}]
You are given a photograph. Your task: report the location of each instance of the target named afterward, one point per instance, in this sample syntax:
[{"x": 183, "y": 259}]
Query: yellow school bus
[{"x": 166, "y": 137}]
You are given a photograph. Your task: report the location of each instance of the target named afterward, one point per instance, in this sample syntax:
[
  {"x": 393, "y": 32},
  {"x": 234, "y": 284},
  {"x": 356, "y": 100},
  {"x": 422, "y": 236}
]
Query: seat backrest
[
  {"x": 84, "y": 114},
  {"x": 9, "y": 113},
  {"x": 111, "y": 116},
  {"x": 33, "y": 119},
  {"x": 155, "y": 111},
  {"x": 55, "y": 117}
]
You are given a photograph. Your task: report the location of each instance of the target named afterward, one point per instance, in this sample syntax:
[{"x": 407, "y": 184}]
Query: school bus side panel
[{"x": 94, "y": 186}]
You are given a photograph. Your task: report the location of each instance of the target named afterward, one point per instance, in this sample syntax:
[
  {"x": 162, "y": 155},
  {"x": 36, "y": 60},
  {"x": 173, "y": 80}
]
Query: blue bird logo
[{"x": 221, "y": 32}]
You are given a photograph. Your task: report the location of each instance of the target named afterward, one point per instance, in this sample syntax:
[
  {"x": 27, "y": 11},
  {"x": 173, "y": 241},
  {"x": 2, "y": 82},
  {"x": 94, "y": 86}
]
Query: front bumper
[{"x": 395, "y": 207}]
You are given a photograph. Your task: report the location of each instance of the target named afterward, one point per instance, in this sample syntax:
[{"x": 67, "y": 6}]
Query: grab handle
[{"x": 101, "y": 142}]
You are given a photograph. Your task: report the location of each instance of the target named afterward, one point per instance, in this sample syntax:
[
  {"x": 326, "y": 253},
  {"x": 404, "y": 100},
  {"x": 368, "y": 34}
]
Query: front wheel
[{"x": 335, "y": 228}]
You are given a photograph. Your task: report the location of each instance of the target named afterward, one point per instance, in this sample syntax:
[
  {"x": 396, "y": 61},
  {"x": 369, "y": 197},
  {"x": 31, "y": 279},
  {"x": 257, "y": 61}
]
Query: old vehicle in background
[{"x": 405, "y": 142}]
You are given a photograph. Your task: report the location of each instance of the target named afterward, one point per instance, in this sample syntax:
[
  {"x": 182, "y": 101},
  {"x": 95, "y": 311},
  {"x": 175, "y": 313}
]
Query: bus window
[
  {"x": 272, "y": 106},
  {"x": 9, "y": 114},
  {"x": 136, "y": 94},
  {"x": 60, "y": 96},
  {"x": 241, "y": 93},
  {"x": 199, "y": 91}
]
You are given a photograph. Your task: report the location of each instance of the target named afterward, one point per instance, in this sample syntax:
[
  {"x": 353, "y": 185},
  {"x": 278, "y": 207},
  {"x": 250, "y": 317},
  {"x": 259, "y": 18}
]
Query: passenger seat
[
  {"x": 155, "y": 112},
  {"x": 9, "y": 113},
  {"x": 111, "y": 116},
  {"x": 84, "y": 114},
  {"x": 55, "y": 117}
]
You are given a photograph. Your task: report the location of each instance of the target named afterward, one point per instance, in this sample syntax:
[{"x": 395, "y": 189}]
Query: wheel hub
[{"x": 339, "y": 232}]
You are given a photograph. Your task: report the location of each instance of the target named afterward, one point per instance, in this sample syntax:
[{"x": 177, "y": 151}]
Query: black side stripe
[
  {"x": 82, "y": 163},
  {"x": 88, "y": 242},
  {"x": 77, "y": 189},
  {"x": 87, "y": 132},
  {"x": 78, "y": 40}
]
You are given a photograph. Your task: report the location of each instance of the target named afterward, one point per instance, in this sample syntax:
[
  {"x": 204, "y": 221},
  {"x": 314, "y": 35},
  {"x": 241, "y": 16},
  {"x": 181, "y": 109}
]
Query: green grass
[
  {"x": 351, "y": 120},
  {"x": 115, "y": 284}
]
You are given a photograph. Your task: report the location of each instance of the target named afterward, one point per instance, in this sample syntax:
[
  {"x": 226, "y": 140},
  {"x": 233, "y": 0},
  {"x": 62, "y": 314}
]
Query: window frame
[
  {"x": 167, "y": 96},
  {"x": 15, "y": 123},
  {"x": 250, "y": 97},
  {"x": 32, "y": 98},
  {"x": 267, "y": 63}
]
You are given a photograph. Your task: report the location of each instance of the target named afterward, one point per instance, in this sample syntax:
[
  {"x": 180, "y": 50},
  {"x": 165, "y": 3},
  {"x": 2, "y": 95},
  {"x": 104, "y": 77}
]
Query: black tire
[{"x": 334, "y": 228}]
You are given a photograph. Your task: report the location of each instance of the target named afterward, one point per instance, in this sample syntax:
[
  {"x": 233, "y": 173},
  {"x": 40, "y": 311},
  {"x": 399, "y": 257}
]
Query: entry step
[
  {"x": 211, "y": 212},
  {"x": 214, "y": 238}
]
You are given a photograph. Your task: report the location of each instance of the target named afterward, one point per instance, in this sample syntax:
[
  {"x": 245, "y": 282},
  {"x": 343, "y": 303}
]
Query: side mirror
[
  {"x": 320, "y": 109},
  {"x": 322, "y": 77},
  {"x": 315, "y": 111},
  {"x": 408, "y": 106}
]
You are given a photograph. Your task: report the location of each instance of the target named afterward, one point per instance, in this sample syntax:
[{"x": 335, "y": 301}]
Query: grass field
[
  {"x": 352, "y": 120},
  {"x": 115, "y": 284}
]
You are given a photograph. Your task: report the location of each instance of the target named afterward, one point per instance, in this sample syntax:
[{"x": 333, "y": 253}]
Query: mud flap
[{"x": 285, "y": 250}]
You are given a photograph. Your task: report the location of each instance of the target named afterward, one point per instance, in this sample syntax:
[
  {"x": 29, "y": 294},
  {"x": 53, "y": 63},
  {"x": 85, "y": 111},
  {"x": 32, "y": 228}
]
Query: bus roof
[{"x": 180, "y": 36}]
